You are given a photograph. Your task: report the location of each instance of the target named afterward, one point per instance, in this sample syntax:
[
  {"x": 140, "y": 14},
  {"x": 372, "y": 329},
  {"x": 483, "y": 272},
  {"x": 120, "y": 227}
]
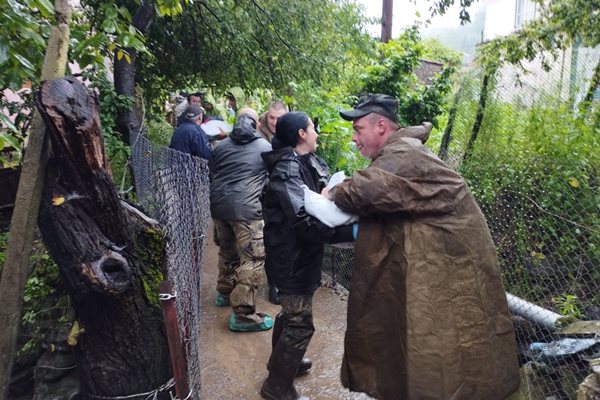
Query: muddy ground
[{"x": 233, "y": 364}]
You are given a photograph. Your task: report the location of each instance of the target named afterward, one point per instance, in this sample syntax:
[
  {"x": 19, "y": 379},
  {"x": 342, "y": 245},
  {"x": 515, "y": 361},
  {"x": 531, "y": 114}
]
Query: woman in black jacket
[{"x": 294, "y": 247}]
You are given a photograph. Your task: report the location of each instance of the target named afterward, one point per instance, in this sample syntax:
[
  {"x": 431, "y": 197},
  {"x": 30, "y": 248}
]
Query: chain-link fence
[
  {"x": 173, "y": 187},
  {"x": 534, "y": 167}
]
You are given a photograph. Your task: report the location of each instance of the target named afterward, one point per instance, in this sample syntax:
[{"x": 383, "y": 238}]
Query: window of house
[{"x": 525, "y": 11}]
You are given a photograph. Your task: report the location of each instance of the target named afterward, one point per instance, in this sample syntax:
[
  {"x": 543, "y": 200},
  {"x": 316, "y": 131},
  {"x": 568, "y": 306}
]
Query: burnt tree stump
[{"x": 110, "y": 257}]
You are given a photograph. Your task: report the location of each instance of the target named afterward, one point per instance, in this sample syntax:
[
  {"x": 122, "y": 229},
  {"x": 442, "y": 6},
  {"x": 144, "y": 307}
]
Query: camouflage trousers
[
  {"x": 241, "y": 261},
  {"x": 294, "y": 324}
]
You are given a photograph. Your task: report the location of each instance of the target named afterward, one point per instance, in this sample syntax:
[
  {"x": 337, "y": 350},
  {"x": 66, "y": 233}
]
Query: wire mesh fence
[
  {"x": 173, "y": 188},
  {"x": 534, "y": 168}
]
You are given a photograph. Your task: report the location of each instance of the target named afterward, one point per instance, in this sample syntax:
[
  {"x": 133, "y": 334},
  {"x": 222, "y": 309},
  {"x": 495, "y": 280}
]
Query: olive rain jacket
[
  {"x": 293, "y": 239},
  {"x": 238, "y": 173},
  {"x": 427, "y": 312}
]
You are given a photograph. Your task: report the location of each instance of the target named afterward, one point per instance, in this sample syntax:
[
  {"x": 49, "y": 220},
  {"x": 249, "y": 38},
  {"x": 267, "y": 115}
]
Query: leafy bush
[
  {"x": 159, "y": 131},
  {"x": 394, "y": 74},
  {"x": 45, "y": 303},
  {"x": 534, "y": 171},
  {"x": 335, "y": 134},
  {"x": 110, "y": 105},
  {"x": 13, "y": 129}
]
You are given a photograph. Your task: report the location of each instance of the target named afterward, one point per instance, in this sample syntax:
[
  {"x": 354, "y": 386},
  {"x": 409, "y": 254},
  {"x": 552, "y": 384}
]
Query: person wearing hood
[
  {"x": 427, "y": 313},
  {"x": 236, "y": 99},
  {"x": 237, "y": 177},
  {"x": 268, "y": 119},
  {"x": 214, "y": 111},
  {"x": 294, "y": 244}
]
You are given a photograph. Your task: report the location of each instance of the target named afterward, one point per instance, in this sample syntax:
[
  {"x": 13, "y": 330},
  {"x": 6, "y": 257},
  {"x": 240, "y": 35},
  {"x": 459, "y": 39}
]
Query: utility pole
[{"x": 386, "y": 20}]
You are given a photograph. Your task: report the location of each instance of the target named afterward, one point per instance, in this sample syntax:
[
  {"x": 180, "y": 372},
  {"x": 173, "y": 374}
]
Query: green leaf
[
  {"x": 46, "y": 8},
  {"x": 111, "y": 12},
  {"x": 25, "y": 63},
  {"x": 93, "y": 42},
  {"x": 6, "y": 121},
  {"x": 109, "y": 26}
]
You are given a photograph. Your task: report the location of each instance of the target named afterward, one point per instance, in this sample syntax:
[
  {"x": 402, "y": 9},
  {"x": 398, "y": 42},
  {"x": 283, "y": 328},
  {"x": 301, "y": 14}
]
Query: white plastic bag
[
  {"x": 325, "y": 210},
  {"x": 214, "y": 127},
  {"x": 336, "y": 178}
]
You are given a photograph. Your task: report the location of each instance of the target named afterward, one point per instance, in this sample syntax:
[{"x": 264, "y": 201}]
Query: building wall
[{"x": 569, "y": 74}]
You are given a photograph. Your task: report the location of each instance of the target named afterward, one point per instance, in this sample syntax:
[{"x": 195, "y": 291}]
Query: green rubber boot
[
  {"x": 222, "y": 300},
  {"x": 262, "y": 322}
]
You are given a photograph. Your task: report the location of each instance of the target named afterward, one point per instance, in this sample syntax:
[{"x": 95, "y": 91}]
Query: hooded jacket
[
  {"x": 427, "y": 312},
  {"x": 238, "y": 173},
  {"x": 293, "y": 239},
  {"x": 264, "y": 128}
]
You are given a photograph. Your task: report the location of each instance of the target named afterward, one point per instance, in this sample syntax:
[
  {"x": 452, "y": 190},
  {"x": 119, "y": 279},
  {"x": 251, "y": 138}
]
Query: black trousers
[{"x": 295, "y": 320}]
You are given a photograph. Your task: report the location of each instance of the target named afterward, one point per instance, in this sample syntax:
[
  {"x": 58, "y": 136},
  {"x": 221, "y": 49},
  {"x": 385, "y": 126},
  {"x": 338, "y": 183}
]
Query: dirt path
[{"x": 233, "y": 365}]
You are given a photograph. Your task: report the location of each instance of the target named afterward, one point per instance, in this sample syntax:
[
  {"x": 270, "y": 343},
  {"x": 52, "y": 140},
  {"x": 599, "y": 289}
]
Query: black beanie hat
[{"x": 288, "y": 126}]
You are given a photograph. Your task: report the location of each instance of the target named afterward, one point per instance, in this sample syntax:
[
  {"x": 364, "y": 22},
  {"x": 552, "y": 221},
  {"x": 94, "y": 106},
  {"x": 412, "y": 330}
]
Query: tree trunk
[
  {"x": 483, "y": 96},
  {"x": 129, "y": 122},
  {"x": 110, "y": 257}
]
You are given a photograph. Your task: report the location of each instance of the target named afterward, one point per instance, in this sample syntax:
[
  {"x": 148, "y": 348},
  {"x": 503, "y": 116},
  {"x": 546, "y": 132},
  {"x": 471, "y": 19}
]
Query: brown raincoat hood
[{"x": 427, "y": 312}]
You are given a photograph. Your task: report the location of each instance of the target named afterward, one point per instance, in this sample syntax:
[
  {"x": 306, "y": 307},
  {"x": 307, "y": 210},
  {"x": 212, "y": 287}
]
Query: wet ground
[{"x": 233, "y": 364}]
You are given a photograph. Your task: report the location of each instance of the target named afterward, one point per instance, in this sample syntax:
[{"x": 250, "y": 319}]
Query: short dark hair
[
  {"x": 197, "y": 94},
  {"x": 288, "y": 126}
]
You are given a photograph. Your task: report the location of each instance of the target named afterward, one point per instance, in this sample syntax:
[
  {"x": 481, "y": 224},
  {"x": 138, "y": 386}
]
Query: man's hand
[{"x": 222, "y": 134}]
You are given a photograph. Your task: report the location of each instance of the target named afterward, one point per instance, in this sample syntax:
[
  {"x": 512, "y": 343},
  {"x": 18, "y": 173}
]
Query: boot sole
[{"x": 266, "y": 395}]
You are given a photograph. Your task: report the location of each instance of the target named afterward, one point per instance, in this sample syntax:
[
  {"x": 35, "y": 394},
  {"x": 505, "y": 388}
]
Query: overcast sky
[{"x": 405, "y": 14}]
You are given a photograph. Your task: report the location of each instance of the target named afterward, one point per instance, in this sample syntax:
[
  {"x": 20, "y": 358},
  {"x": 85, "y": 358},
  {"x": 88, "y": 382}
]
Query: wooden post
[
  {"x": 178, "y": 353},
  {"x": 25, "y": 212},
  {"x": 386, "y": 20}
]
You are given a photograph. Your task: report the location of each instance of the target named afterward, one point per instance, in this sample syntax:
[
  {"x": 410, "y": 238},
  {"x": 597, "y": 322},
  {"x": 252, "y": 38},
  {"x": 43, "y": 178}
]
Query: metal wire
[
  {"x": 542, "y": 209},
  {"x": 173, "y": 188}
]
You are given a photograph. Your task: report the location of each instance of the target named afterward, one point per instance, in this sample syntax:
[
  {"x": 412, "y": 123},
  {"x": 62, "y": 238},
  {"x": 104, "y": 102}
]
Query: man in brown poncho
[{"x": 427, "y": 312}]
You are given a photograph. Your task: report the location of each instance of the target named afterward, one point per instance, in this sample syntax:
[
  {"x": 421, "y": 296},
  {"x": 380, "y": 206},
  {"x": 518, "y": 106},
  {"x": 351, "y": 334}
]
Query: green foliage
[
  {"x": 112, "y": 34},
  {"x": 45, "y": 302},
  {"x": 394, "y": 73},
  {"x": 439, "y": 7},
  {"x": 3, "y": 244},
  {"x": 559, "y": 24},
  {"x": 97, "y": 32},
  {"x": 110, "y": 104},
  {"x": 534, "y": 171},
  {"x": 257, "y": 44},
  {"x": 335, "y": 134},
  {"x": 159, "y": 131},
  {"x": 150, "y": 244},
  {"x": 434, "y": 50},
  {"x": 13, "y": 129},
  {"x": 25, "y": 28},
  {"x": 567, "y": 305}
]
